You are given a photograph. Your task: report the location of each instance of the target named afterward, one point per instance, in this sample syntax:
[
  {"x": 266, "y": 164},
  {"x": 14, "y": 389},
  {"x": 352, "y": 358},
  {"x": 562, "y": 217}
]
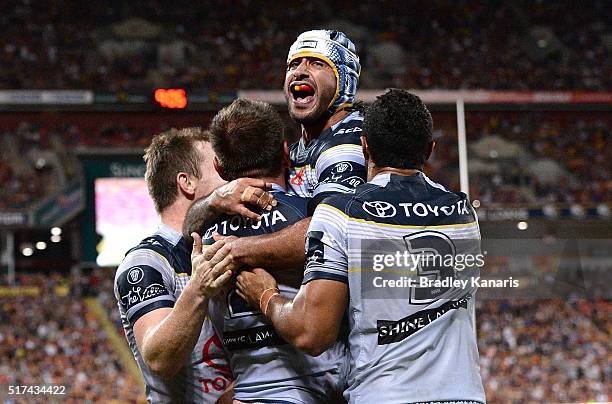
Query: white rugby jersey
[
  {"x": 332, "y": 162},
  {"x": 152, "y": 276},
  {"x": 408, "y": 343}
]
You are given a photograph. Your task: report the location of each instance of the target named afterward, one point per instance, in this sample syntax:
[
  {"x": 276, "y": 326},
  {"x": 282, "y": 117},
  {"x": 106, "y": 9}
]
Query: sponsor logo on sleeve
[
  {"x": 139, "y": 294},
  {"x": 139, "y": 284},
  {"x": 135, "y": 275},
  {"x": 349, "y": 130},
  {"x": 353, "y": 181}
]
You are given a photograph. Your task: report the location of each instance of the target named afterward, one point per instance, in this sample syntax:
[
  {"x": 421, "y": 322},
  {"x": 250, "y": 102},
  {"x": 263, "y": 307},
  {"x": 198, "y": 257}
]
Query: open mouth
[{"x": 302, "y": 93}]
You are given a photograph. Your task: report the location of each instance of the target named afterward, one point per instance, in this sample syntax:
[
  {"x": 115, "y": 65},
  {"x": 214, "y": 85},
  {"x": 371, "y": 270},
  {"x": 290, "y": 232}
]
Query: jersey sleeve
[
  {"x": 143, "y": 283},
  {"x": 341, "y": 168},
  {"x": 326, "y": 245}
]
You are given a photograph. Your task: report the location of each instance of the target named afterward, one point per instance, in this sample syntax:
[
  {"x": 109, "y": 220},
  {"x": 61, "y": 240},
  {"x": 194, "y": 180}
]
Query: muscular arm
[
  {"x": 311, "y": 321},
  {"x": 276, "y": 251},
  {"x": 166, "y": 337},
  {"x": 231, "y": 198},
  {"x": 200, "y": 215}
]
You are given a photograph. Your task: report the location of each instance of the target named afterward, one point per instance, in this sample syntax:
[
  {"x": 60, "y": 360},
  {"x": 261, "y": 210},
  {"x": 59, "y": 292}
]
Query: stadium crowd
[
  {"x": 530, "y": 350},
  {"x": 34, "y": 163},
  {"x": 544, "y": 351},
  {"x": 142, "y": 45},
  {"x": 52, "y": 338},
  {"x": 531, "y": 158}
]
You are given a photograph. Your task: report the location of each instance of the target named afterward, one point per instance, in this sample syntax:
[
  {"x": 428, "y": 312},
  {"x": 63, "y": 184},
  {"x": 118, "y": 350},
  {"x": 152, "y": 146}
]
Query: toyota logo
[{"x": 380, "y": 209}]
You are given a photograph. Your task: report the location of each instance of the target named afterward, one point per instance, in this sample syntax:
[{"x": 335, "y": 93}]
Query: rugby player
[
  {"x": 320, "y": 84},
  {"x": 247, "y": 137},
  {"x": 410, "y": 344},
  {"x": 162, "y": 301}
]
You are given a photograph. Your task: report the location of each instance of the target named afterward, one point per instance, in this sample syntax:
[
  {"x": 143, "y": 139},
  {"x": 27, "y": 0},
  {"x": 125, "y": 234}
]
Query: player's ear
[
  {"x": 364, "y": 148},
  {"x": 286, "y": 158},
  {"x": 185, "y": 184},
  {"x": 218, "y": 168},
  {"x": 430, "y": 149}
]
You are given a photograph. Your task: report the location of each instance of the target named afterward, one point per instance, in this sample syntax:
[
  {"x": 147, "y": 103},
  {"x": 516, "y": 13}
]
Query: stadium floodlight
[
  {"x": 41, "y": 245},
  {"x": 603, "y": 210},
  {"x": 27, "y": 251},
  {"x": 56, "y": 239},
  {"x": 56, "y": 231}
]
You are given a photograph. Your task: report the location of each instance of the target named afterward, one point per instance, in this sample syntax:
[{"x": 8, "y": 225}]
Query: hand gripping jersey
[
  {"x": 266, "y": 368},
  {"x": 332, "y": 162},
  {"x": 152, "y": 276},
  {"x": 409, "y": 341}
]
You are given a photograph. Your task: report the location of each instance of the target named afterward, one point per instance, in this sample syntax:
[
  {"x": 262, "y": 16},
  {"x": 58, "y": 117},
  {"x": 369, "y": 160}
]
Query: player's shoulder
[
  {"x": 342, "y": 203},
  {"x": 400, "y": 200},
  {"x": 143, "y": 259},
  {"x": 163, "y": 252},
  {"x": 351, "y": 125},
  {"x": 293, "y": 204},
  {"x": 344, "y": 133},
  {"x": 347, "y": 131}
]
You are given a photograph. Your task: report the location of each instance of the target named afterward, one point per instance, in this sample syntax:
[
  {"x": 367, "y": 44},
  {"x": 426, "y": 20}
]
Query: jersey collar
[
  {"x": 277, "y": 188},
  {"x": 169, "y": 233},
  {"x": 383, "y": 179}
]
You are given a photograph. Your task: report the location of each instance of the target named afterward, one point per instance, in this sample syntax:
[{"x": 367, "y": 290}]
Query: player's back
[
  {"x": 264, "y": 365},
  {"x": 408, "y": 342}
]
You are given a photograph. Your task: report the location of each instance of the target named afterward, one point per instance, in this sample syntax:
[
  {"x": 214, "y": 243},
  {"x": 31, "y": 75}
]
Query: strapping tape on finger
[{"x": 247, "y": 194}]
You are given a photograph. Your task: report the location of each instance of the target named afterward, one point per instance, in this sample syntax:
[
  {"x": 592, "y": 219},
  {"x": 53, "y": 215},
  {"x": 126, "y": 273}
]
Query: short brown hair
[
  {"x": 247, "y": 137},
  {"x": 168, "y": 154}
]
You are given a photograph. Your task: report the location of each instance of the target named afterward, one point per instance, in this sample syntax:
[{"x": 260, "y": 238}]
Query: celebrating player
[
  {"x": 409, "y": 344},
  {"x": 162, "y": 302},
  {"x": 247, "y": 137},
  {"x": 320, "y": 85}
]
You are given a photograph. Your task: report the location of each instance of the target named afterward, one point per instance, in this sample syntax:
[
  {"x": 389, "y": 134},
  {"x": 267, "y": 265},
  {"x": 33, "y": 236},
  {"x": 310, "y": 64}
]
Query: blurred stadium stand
[{"x": 146, "y": 44}]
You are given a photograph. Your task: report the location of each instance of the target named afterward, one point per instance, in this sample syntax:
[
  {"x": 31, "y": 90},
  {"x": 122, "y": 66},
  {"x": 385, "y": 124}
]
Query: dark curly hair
[{"x": 398, "y": 128}]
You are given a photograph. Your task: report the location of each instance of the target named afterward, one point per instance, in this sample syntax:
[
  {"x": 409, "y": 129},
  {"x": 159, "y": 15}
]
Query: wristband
[{"x": 267, "y": 295}]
